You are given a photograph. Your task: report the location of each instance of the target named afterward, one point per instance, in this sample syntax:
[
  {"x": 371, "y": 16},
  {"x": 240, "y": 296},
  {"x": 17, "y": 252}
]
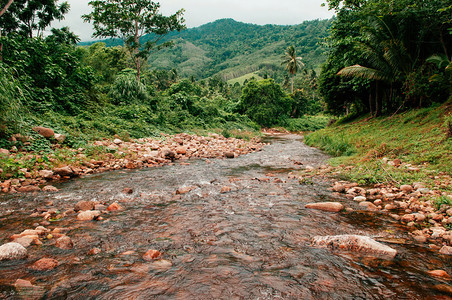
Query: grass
[
  {"x": 241, "y": 79},
  {"x": 416, "y": 137}
]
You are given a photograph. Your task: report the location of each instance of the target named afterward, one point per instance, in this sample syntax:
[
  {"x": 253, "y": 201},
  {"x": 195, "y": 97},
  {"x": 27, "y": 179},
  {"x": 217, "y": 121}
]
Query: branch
[{"x": 6, "y": 7}]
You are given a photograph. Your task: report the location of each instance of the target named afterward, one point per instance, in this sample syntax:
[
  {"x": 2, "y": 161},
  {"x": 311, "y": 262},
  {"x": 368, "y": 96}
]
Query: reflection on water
[{"x": 249, "y": 243}]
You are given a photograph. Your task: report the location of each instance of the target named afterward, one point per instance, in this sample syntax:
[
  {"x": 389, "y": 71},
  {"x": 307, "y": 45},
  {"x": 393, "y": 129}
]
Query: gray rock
[
  {"x": 12, "y": 251},
  {"x": 355, "y": 243}
]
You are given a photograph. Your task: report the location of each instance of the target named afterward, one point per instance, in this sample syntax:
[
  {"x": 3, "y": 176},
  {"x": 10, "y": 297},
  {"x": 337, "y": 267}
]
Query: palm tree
[{"x": 292, "y": 62}]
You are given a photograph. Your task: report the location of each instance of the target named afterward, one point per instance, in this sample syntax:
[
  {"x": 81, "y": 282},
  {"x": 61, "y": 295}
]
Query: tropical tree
[
  {"x": 130, "y": 20},
  {"x": 292, "y": 62},
  {"x": 28, "y": 16}
]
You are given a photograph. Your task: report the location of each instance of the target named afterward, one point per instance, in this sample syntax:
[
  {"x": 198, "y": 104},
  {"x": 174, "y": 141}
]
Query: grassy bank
[{"x": 417, "y": 138}]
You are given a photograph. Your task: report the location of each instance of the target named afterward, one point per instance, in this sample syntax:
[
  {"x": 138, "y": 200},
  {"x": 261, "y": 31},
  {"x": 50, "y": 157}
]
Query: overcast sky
[{"x": 199, "y": 12}]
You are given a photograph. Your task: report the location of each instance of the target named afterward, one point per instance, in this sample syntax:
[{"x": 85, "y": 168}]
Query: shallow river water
[{"x": 250, "y": 243}]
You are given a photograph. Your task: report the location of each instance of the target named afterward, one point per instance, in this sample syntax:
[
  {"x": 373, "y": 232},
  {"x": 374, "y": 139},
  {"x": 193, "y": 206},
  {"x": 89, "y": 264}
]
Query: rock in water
[
  {"x": 326, "y": 206},
  {"x": 355, "y": 243},
  {"x": 11, "y": 251}
]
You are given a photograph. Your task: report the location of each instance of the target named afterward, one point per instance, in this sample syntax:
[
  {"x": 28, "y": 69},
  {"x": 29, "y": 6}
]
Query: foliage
[
  {"x": 292, "y": 63},
  {"x": 27, "y": 16},
  {"x": 51, "y": 73},
  {"x": 415, "y": 137},
  {"x": 126, "y": 90},
  {"x": 306, "y": 123},
  {"x": 265, "y": 102},
  {"x": 11, "y": 98},
  {"x": 442, "y": 200},
  {"x": 381, "y": 49},
  {"x": 130, "y": 20}
]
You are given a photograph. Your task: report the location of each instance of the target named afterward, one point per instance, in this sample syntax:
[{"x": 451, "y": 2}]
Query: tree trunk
[
  {"x": 137, "y": 50},
  {"x": 377, "y": 100},
  {"x": 370, "y": 101},
  {"x": 6, "y": 7},
  {"x": 291, "y": 84}
]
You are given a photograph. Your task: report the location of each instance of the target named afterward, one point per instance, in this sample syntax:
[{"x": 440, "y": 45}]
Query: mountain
[{"x": 232, "y": 49}]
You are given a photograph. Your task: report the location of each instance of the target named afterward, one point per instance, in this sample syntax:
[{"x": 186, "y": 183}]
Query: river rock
[
  {"x": 60, "y": 138},
  {"x": 64, "y": 171},
  {"x": 114, "y": 207},
  {"x": 88, "y": 215},
  {"x": 47, "y": 174},
  {"x": 152, "y": 254},
  {"x": 127, "y": 191},
  {"x": 326, "y": 206},
  {"x": 225, "y": 189},
  {"x": 64, "y": 242},
  {"x": 439, "y": 273},
  {"x": 50, "y": 188},
  {"x": 338, "y": 187},
  {"x": 181, "y": 150},
  {"x": 12, "y": 251},
  {"x": 45, "y": 264},
  {"x": 368, "y": 205},
  {"x": 355, "y": 243},
  {"x": 406, "y": 188},
  {"x": 45, "y": 132},
  {"x": 229, "y": 154},
  {"x": 161, "y": 264},
  {"x": 184, "y": 190},
  {"x": 359, "y": 199},
  {"x": 29, "y": 189},
  {"x": 446, "y": 250},
  {"x": 84, "y": 205}
]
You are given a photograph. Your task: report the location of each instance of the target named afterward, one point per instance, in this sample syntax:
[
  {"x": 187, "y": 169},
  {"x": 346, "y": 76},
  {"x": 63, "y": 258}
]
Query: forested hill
[{"x": 232, "y": 49}]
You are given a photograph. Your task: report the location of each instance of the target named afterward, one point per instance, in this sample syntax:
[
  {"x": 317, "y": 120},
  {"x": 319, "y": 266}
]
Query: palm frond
[{"x": 362, "y": 72}]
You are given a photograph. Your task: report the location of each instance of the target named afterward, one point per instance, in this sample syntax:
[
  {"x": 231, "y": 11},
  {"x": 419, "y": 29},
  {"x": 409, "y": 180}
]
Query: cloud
[{"x": 199, "y": 12}]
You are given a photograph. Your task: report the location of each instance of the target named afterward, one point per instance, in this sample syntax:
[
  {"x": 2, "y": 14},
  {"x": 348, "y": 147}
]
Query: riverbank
[
  {"x": 400, "y": 166},
  {"x": 23, "y": 171}
]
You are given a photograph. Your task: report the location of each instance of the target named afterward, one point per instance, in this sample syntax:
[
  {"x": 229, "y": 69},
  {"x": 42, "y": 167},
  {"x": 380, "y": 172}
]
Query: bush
[
  {"x": 265, "y": 102},
  {"x": 10, "y": 102},
  {"x": 126, "y": 89}
]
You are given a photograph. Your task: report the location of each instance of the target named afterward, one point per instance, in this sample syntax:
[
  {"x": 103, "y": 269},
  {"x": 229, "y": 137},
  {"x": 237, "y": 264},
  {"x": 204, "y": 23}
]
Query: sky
[{"x": 199, "y": 12}]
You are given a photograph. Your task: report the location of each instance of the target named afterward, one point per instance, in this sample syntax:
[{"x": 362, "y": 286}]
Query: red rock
[
  {"x": 88, "y": 215},
  {"x": 326, "y": 206},
  {"x": 45, "y": 132},
  {"x": 50, "y": 188},
  {"x": 408, "y": 218},
  {"x": 225, "y": 189},
  {"x": 397, "y": 162},
  {"x": 64, "y": 171},
  {"x": 22, "y": 283},
  {"x": 184, "y": 190},
  {"x": 127, "y": 191},
  {"x": 439, "y": 273},
  {"x": 446, "y": 250},
  {"x": 229, "y": 154},
  {"x": 45, "y": 264},
  {"x": 114, "y": 207},
  {"x": 181, "y": 150},
  {"x": 84, "y": 205},
  {"x": 406, "y": 188},
  {"x": 47, "y": 174},
  {"x": 339, "y": 188},
  {"x": 65, "y": 243},
  {"x": 94, "y": 251},
  {"x": 131, "y": 165},
  {"x": 152, "y": 254},
  {"x": 29, "y": 189}
]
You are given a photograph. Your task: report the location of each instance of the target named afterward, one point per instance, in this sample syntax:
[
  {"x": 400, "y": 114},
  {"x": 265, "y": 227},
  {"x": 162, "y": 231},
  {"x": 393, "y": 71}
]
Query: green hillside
[{"x": 232, "y": 49}]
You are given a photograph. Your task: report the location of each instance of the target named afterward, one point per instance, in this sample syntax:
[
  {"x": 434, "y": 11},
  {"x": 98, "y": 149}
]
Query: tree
[
  {"x": 292, "y": 62},
  {"x": 130, "y": 20},
  {"x": 28, "y": 16}
]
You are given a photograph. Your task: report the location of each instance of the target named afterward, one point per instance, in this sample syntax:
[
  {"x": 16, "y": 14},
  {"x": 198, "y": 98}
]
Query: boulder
[
  {"x": 338, "y": 187},
  {"x": 359, "y": 199},
  {"x": 45, "y": 264},
  {"x": 181, "y": 150},
  {"x": 326, "y": 206},
  {"x": 229, "y": 154},
  {"x": 355, "y": 243},
  {"x": 45, "y": 132},
  {"x": 406, "y": 188},
  {"x": 88, "y": 215},
  {"x": 12, "y": 251}
]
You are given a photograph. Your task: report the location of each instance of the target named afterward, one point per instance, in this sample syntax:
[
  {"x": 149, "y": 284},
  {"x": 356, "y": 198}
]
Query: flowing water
[{"x": 250, "y": 243}]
